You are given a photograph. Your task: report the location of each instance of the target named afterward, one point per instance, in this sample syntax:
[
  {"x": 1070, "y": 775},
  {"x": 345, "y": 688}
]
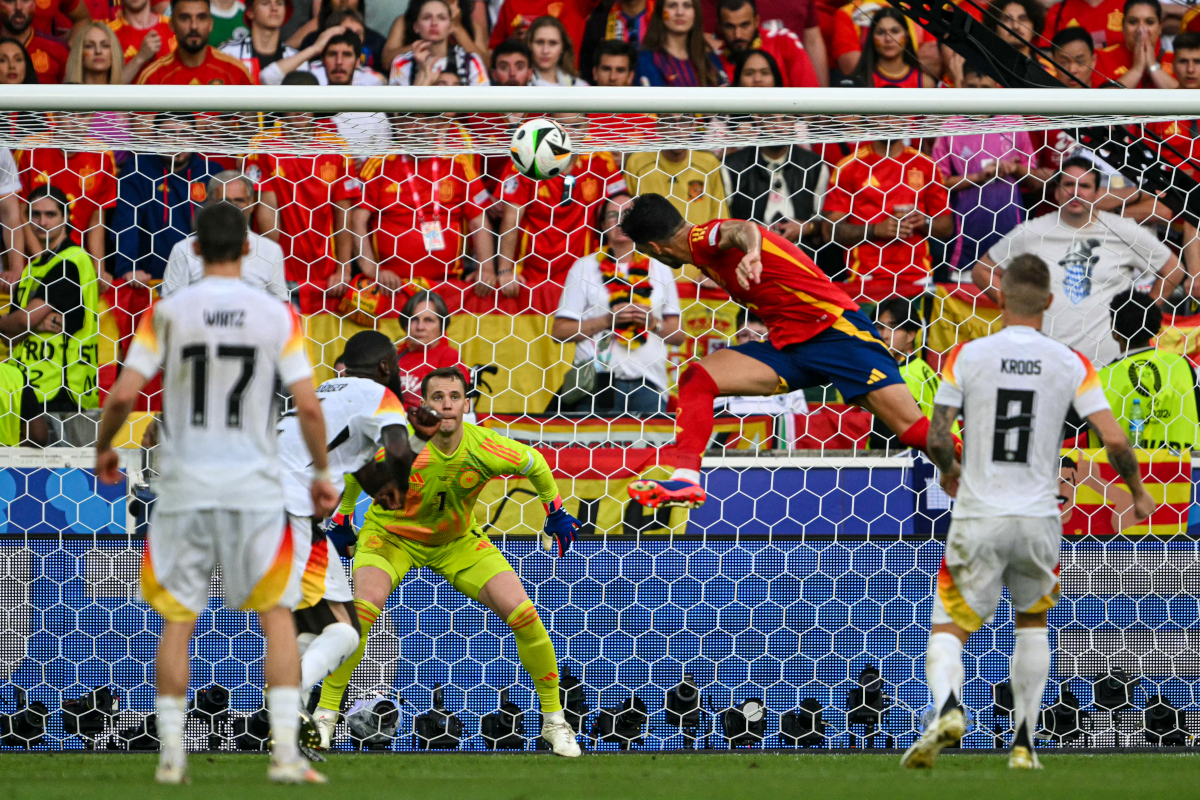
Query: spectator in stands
[
  {"x": 621, "y": 308},
  {"x": 512, "y": 63},
  {"x": 899, "y": 327},
  {"x": 884, "y": 202},
  {"x": 433, "y": 53},
  {"x": 752, "y": 329},
  {"x": 1099, "y": 19},
  {"x": 1093, "y": 256},
  {"x": 547, "y": 225},
  {"x": 16, "y": 395},
  {"x": 515, "y": 17},
  {"x": 95, "y": 57},
  {"x": 1025, "y": 18},
  {"x": 757, "y": 69},
  {"x": 812, "y": 19},
  {"x": 15, "y": 64},
  {"x": 158, "y": 196},
  {"x": 47, "y": 56},
  {"x": 851, "y": 24},
  {"x": 614, "y": 63},
  {"x": 888, "y": 56},
  {"x": 88, "y": 179},
  {"x": 1183, "y": 136},
  {"x": 740, "y": 30},
  {"x": 48, "y": 14},
  {"x": 144, "y": 36},
  {"x": 424, "y": 347},
  {"x": 1186, "y": 62},
  {"x": 334, "y": 59},
  {"x": 1139, "y": 61},
  {"x": 305, "y": 204},
  {"x": 194, "y": 60},
  {"x": 623, "y": 21},
  {"x": 373, "y": 41},
  {"x": 983, "y": 173},
  {"x": 10, "y": 216},
  {"x": 553, "y": 54},
  {"x": 229, "y": 21},
  {"x": 1075, "y": 54},
  {"x": 468, "y": 27},
  {"x": 263, "y": 44},
  {"x": 262, "y": 266},
  {"x": 1149, "y": 383},
  {"x": 674, "y": 51},
  {"x": 53, "y": 325},
  {"x": 690, "y": 178}
]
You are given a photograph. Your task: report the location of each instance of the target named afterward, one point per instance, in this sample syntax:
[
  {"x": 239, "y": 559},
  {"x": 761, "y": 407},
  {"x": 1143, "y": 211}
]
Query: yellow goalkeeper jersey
[{"x": 443, "y": 487}]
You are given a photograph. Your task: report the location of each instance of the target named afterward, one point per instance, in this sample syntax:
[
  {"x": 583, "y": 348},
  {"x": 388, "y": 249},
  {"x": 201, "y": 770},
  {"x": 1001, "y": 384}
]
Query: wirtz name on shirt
[{"x": 216, "y": 318}]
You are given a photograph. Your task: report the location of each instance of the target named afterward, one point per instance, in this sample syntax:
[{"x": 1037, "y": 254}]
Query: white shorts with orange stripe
[
  {"x": 322, "y": 575},
  {"x": 984, "y": 555},
  {"x": 254, "y": 549}
]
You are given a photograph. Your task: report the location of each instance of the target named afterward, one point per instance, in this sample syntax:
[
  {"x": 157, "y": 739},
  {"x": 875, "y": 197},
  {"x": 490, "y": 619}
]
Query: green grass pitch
[{"x": 754, "y": 776}]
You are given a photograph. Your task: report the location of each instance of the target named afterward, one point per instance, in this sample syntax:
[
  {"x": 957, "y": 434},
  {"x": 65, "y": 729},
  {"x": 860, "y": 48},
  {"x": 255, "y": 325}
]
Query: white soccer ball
[{"x": 541, "y": 148}]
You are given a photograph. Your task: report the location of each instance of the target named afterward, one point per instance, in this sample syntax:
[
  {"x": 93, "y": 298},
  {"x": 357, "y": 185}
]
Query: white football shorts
[{"x": 318, "y": 564}]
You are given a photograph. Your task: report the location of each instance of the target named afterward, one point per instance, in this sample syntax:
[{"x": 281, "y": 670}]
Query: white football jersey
[
  {"x": 1014, "y": 389},
  {"x": 220, "y": 344},
  {"x": 356, "y": 412}
]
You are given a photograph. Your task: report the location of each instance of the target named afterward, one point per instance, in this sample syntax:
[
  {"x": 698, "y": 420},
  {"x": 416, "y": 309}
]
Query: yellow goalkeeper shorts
[{"x": 468, "y": 562}]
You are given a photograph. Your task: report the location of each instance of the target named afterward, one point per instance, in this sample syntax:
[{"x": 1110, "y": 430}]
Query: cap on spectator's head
[
  {"x": 1157, "y": 6},
  {"x": 366, "y": 349},
  {"x": 54, "y": 193},
  {"x": 1026, "y": 285},
  {"x": 1136, "y": 318},
  {"x": 651, "y": 218},
  {"x": 901, "y": 312},
  {"x": 1073, "y": 34},
  {"x": 298, "y": 78},
  {"x": 509, "y": 46},
  {"x": 612, "y": 47},
  {"x": 221, "y": 233}
]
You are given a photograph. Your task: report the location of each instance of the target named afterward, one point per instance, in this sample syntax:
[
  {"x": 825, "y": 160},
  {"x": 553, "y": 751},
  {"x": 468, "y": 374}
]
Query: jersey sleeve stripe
[
  {"x": 507, "y": 455},
  {"x": 948, "y": 365},
  {"x": 1091, "y": 380},
  {"x": 775, "y": 250},
  {"x": 146, "y": 336},
  {"x": 389, "y": 404},
  {"x": 295, "y": 342}
]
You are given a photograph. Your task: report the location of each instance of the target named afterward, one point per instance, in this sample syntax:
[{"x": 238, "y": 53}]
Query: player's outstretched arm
[
  {"x": 942, "y": 447},
  {"x": 530, "y": 464},
  {"x": 1123, "y": 460},
  {"x": 117, "y": 408},
  {"x": 312, "y": 428}
]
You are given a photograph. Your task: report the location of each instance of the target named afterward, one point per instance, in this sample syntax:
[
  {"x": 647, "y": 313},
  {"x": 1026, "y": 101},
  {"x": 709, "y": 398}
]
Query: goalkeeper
[{"x": 436, "y": 528}]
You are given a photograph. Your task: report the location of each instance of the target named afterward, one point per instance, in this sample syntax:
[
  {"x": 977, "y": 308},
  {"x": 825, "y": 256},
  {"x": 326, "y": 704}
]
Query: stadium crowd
[{"x": 401, "y": 244}]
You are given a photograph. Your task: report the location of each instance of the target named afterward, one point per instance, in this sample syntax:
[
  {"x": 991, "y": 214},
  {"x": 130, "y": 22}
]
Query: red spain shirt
[
  {"x": 558, "y": 216},
  {"x": 46, "y": 12},
  {"x": 1104, "y": 22},
  {"x": 217, "y": 69},
  {"x": 442, "y": 192},
  {"x": 793, "y": 297},
  {"x": 88, "y": 179},
  {"x": 49, "y": 57},
  {"x": 131, "y": 37},
  {"x": 1115, "y": 60},
  {"x": 868, "y": 187},
  {"x": 306, "y": 188},
  {"x": 416, "y": 364},
  {"x": 515, "y": 17}
]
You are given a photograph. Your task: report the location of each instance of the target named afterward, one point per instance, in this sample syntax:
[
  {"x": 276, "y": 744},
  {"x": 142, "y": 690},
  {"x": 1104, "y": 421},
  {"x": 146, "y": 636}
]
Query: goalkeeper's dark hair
[
  {"x": 1026, "y": 285},
  {"x": 366, "y": 349},
  {"x": 221, "y": 233},
  {"x": 54, "y": 193},
  {"x": 651, "y": 218},
  {"x": 901, "y": 311},
  {"x": 1136, "y": 318},
  {"x": 450, "y": 373},
  {"x": 1074, "y": 34}
]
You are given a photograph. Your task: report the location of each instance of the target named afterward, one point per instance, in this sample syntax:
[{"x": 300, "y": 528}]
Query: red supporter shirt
[
  {"x": 416, "y": 364},
  {"x": 1104, "y": 21},
  {"x": 216, "y": 69},
  {"x": 910, "y": 80},
  {"x": 516, "y": 15},
  {"x": 1182, "y": 135},
  {"x": 443, "y": 194},
  {"x": 785, "y": 47},
  {"x": 868, "y": 187},
  {"x": 47, "y": 12},
  {"x": 793, "y": 297},
  {"x": 131, "y": 37},
  {"x": 1115, "y": 60},
  {"x": 89, "y": 180},
  {"x": 557, "y": 222},
  {"x": 306, "y": 187},
  {"x": 49, "y": 58}
]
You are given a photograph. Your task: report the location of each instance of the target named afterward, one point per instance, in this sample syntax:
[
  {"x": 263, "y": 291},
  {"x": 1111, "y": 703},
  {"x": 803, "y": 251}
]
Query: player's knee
[
  {"x": 1023, "y": 620},
  {"x": 525, "y": 622},
  {"x": 697, "y": 379},
  {"x": 345, "y": 635}
]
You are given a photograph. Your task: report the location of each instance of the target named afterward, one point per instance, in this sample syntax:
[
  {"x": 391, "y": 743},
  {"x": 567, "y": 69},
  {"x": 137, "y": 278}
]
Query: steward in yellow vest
[{"x": 899, "y": 328}]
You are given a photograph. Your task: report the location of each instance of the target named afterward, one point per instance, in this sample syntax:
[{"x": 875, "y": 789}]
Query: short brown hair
[
  {"x": 452, "y": 373},
  {"x": 1026, "y": 285}
]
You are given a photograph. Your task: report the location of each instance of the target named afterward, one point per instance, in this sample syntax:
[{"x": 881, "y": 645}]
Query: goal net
[{"x": 795, "y": 603}]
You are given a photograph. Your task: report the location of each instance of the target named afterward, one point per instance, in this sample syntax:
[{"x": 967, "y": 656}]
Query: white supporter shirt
[
  {"x": 356, "y": 412},
  {"x": 1116, "y": 253},
  {"x": 220, "y": 345},
  {"x": 586, "y": 297},
  {"x": 403, "y": 68},
  {"x": 10, "y": 181},
  {"x": 363, "y": 76},
  {"x": 262, "y": 267},
  {"x": 1014, "y": 389}
]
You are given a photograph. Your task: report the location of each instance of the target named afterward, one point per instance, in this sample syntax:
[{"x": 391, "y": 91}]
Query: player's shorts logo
[
  {"x": 468, "y": 479},
  {"x": 374, "y": 542}
]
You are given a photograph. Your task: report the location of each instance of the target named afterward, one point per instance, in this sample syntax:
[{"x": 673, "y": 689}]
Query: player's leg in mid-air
[
  {"x": 982, "y": 556},
  {"x": 850, "y": 355}
]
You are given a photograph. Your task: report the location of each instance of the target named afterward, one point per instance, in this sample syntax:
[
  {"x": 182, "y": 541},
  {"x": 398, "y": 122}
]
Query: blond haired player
[
  {"x": 437, "y": 529},
  {"x": 1014, "y": 389},
  {"x": 221, "y": 344}
]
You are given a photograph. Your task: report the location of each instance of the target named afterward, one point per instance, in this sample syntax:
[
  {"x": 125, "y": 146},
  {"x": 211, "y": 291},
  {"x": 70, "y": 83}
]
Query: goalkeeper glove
[
  {"x": 561, "y": 525},
  {"x": 340, "y": 530}
]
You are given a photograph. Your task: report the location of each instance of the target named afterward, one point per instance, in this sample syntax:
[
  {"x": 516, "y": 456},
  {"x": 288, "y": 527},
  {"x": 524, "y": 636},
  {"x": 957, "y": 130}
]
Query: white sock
[
  {"x": 692, "y": 475},
  {"x": 169, "y": 712},
  {"x": 944, "y": 668},
  {"x": 326, "y": 653},
  {"x": 283, "y": 705},
  {"x": 303, "y": 640},
  {"x": 1028, "y": 672},
  {"x": 556, "y": 717}
]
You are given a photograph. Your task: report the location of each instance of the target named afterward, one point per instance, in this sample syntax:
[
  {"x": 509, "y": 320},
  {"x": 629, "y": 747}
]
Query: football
[{"x": 541, "y": 148}]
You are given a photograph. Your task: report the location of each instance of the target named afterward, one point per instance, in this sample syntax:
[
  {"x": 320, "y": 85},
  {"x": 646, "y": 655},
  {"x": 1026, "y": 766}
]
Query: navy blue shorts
[{"x": 850, "y": 355}]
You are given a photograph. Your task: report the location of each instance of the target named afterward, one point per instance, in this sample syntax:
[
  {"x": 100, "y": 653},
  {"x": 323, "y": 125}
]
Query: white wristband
[
  {"x": 416, "y": 443},
  {"x": 322, "y": 475}
]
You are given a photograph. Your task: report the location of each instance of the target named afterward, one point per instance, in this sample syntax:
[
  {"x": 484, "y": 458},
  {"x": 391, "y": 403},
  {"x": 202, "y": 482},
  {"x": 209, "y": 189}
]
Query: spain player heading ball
[
  {"x": 436, "y": 528},
  {"x": 817, "y": 335}
]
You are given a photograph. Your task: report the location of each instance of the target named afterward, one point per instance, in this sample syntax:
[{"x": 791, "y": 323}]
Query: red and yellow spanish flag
[{"x": 1099, "y": 503}]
